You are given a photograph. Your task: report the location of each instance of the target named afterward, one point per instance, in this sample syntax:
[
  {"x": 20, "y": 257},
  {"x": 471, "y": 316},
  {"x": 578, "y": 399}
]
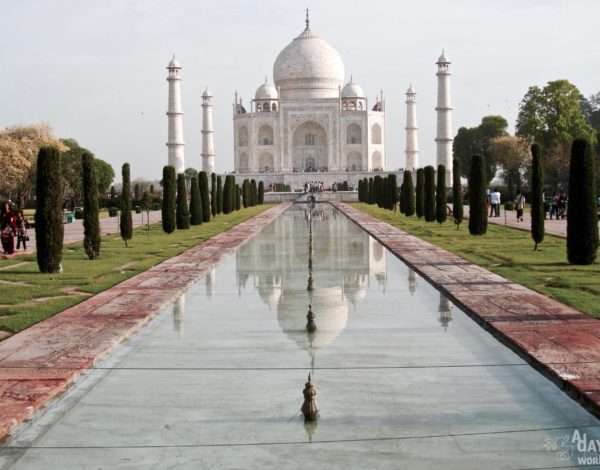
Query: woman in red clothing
[{"x": 8, "y": 228}]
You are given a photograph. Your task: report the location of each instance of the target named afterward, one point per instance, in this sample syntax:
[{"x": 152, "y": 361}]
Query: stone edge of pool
[
  {"x": 39, "y": 363},
  {"x": 559, "y": 341}
]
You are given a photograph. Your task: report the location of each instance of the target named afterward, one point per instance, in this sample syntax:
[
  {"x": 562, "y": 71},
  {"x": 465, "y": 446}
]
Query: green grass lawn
[
  {"x": 27, "y": 296},
  {"x": 509, "y": 252}
]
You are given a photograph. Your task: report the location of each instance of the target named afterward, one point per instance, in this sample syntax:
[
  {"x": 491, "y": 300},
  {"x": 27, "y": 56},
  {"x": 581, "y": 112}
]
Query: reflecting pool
[{"x": 405, "y": 379}]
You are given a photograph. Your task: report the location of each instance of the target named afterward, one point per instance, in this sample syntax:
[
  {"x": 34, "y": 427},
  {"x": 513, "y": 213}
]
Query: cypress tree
[
  {"x": 420, "y": 196},
  {"x": 457, "y": 195},
  {"x": 91, "y": 222},
  {"x": 582, "y": 216},
  {"x": 383, "y": 193},
  {"x": 168, "y": 203},
  {"x": 440, "y": 195},
  {"x": 245, "y": 194},
  {"x": 254, "y": 191},
  {"x": 113, "y": 193},
  {"x": 204, "y": 195},
  {"x": 49, "y": 228},
  {"x": 402, "y": 198},
  {"x": 392, "y": 191},
  {"x": 538, "y": 212},
  {"x": 477, "y": 207},
  {"x": 126, "y": 225},
  {"x": 377, "y": 190},
  {"x": 152, "y": 190},
  {"x": 261, "y": 193},
  {"x": 137, "y": 193},
  {"x": 409, "y": 194},
  {"x": 195, "y": 202},
  {"x": 213, "y": 194},
  {"x": 238, "y": 197},
  {"x": 359, "y": 190},
  {"x": 371, "y": 189},
  {"x": 429, "y": 194},
  {"x": 226, "y": 198},
  {"x": 219, "y": 195},
  {"x": 182, "y": 212}
]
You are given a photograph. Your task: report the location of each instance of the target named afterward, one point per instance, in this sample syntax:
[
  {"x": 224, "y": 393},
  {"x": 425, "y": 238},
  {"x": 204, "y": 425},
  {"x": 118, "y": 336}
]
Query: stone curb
[
  {"x": 557, "y": 340},
  {"x": 39, "y": 363}
]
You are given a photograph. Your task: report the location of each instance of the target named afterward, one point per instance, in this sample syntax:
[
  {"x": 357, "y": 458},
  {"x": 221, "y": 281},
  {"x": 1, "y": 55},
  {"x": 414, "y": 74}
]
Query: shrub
[
  {"x": 420, "y": 193},
  {"x": 91, "y": 222},
  {"x": 126, "y": 224},
  {"x": 204, "y": 195},
  {"x": 478, "y": 209},
  {"x": 169, "y": 199},
  {"x": 457, "y": 194},
  {"x": 409, "y": 194},
  {"x": 195, "y": 202},
  {"x": 538, "y": 206},
  {"x": 182, "y": 215},
  {"x": 138, "y": 209},
  {"x": 582, "y": 216},
  {"x": 429, "y": 194},
  {"x": 49, "y": 228},
  {"x": 441, "y": 213}
]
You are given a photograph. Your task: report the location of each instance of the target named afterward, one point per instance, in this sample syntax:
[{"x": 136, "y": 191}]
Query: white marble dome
[
  {"x": 308, "y": 67},
  {"x": 174, "y": 63},
  {"x": 352, "y": 90},
  {"x": 266, "y": 92}
]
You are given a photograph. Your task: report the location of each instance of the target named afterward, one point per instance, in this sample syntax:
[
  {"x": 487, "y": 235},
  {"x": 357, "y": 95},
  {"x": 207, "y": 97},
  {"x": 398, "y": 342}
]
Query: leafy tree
[
  {"x": 19, "y": 149},
  {"x": 552, "y": 116},
  {"x": 409, "y": 194},
  {"x": 429, "y": 194},
  {"x": 126, "y": 224},
  {"x": 49, "y": 228},
  {"x": 477, "y": 205},
  {"x": 261, "y": 193},
  {"x": 195, "y": 202},
  {"x": 169, "y": 199},
  {"x": 440, "y": 194},
  {"x": 238, "y": 197},
  {"x": 538, "y": 212},
  {"x": 513, "y": 155},
  {"x": 91, "y": 222},
  {"x": 476, "y": 140},
  {"x": 182, "y": 214},
  {"x": 582, "y": 216},
  {"x": 213, "y": 194},
  {"x": 190, "y": 173},
  {"x": 457, "y": 194},
  {"x": 420, "y": 193},
  {"x": 204, "y": 195}
]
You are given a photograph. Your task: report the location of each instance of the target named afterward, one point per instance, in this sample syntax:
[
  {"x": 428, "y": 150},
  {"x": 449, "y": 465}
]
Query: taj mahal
[{"x": 309, "y": 123}]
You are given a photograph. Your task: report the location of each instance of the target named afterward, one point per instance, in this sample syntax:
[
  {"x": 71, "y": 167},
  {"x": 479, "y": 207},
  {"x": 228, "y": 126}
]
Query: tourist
[
  {"x": 488, "y": 204},
  {"x": 520, "y": 205},
  {"x": 495, "y": 203},
  {"x": 8, "y": 227},
  {"x": 554, "y": 205},
  {"x": 22, "y": 227}
]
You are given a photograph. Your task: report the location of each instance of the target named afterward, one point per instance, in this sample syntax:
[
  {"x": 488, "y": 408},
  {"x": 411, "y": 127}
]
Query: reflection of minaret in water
[
  {"x": 412, "y": 281},
  {"x": 445, "y": 309},
  {"x": 179, "y": 314},
  {"x": 210, "y": 283}
]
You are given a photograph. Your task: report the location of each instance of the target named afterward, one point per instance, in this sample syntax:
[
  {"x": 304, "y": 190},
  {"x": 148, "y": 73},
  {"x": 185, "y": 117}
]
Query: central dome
[{"x": 308, "y": 68}]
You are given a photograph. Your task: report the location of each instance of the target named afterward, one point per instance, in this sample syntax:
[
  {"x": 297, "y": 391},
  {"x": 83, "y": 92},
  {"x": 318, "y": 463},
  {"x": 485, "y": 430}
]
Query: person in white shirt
[{"x": 495, "y": 202}]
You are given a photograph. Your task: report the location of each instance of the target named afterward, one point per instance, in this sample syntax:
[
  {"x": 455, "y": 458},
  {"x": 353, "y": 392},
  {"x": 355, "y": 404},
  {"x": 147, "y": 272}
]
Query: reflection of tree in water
[
  {"x": 179, "y": 315},
  {"x": 412, "y": 281}
]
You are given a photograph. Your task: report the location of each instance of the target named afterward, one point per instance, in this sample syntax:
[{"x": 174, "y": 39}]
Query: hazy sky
[{"x": 96, "y": 69}]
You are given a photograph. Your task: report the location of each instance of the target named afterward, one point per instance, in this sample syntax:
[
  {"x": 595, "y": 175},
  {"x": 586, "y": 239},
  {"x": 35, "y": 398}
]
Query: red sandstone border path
[
  {"x": 39, "y": 363},
  {"x": 561, "y": 342}
]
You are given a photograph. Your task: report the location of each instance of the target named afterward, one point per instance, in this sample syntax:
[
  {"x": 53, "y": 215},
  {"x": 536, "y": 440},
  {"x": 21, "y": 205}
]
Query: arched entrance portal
[{"x": 309, "y": 151}]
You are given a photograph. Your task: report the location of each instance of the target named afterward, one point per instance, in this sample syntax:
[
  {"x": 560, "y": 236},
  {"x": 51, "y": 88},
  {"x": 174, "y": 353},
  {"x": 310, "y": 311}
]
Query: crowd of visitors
[{"x": 13, "y": 224}]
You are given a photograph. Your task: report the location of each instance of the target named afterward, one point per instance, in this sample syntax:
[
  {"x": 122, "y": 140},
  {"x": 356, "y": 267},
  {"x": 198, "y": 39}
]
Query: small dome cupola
[
  {"x": 353, "y": 97},
  {"x": 266, "y": 97}
]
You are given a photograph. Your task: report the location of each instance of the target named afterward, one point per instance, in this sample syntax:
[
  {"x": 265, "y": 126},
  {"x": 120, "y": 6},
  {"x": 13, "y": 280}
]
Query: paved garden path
[
  {"x": 74, "y": 230},
  {"x": 40, "y": 362},
  {"x": 558, "y": 340}
]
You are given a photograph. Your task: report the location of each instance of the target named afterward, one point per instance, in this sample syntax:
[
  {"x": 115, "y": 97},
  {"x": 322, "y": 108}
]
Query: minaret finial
[
  {"x": 266, "y": 81},
  {"x": 351, "y": 78},
  {"x": 307, "y": 20},
  {"x": 173, "y": 56}
]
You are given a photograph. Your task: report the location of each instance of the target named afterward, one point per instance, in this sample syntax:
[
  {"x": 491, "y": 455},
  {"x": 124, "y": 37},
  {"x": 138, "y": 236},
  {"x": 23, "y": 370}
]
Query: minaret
[
  {"x": 412, "y": 144},
  {"x": 175, "y": 114},
  {"x": 444, "y": 137},
  {"x": 208, "y": 149}
]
